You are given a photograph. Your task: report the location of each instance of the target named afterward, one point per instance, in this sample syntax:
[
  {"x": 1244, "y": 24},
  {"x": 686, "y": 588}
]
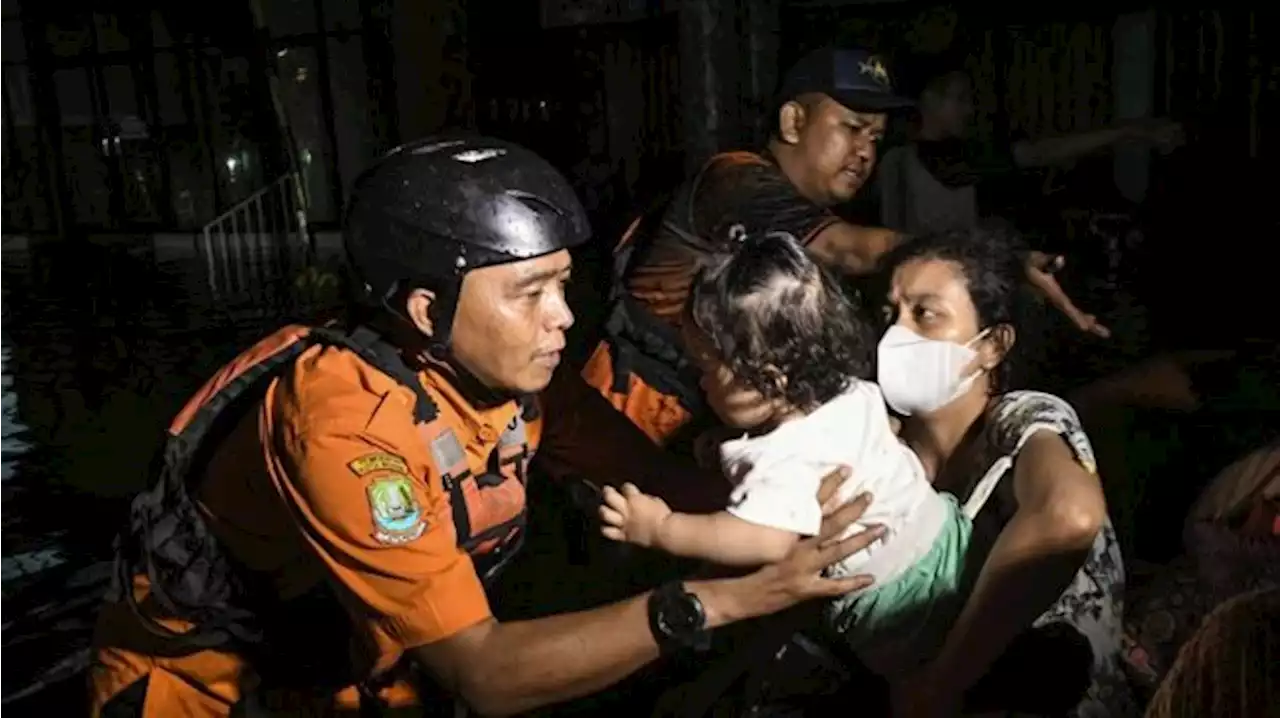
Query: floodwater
[{"x": 101, "y": 345}]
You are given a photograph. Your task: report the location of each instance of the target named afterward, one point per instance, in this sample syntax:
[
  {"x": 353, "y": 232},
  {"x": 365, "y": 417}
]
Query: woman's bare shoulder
[{"x": 1016, "y": 416}]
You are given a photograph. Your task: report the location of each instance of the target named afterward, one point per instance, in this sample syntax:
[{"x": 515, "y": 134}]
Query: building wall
[
  {"x": 433, "y": 82},
  {"x": 140, "y": 120},
  {"x": 145, "y": 120}
]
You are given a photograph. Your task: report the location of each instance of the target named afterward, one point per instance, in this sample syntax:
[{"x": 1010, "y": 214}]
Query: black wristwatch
[{"x": 677, "y": 619}]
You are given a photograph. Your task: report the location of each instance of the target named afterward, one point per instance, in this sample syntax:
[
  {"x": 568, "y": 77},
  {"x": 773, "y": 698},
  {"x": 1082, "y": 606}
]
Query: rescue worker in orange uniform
[
  {"x": 331, "y": 505},
  {"x": 831, "y": 115}
]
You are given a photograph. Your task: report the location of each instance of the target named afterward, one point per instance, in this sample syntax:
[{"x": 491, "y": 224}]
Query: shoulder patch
[
  {"x": 380, "y": 461},
  {"x": 397, "y": 515}
]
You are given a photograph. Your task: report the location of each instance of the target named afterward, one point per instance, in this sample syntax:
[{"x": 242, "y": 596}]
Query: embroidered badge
[
  {"x": 397, "y": 517},
  {"x": 380, "y": 461}
]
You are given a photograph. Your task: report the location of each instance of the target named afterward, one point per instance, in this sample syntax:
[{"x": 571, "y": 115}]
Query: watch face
[
  {"x": 679, "y": 615},
  {"x": 677, "y": 619}
]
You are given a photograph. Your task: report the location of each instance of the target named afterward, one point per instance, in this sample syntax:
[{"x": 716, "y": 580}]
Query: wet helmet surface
[{"x": 432, "y": 210}]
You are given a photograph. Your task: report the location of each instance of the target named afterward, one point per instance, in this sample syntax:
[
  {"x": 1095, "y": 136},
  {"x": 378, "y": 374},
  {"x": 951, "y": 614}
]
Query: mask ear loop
[
  {"x": 978, "y": 337},
  {"x": 969, "y": 345}
]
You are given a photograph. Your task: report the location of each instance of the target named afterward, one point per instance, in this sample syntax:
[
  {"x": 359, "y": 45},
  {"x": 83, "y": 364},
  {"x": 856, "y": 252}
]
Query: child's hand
[{"x": 632, "y": 516}]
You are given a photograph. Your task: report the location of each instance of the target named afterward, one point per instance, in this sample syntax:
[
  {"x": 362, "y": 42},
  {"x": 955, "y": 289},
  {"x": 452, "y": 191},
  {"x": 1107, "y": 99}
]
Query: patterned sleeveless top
[{"x": 1094, "y": 601}]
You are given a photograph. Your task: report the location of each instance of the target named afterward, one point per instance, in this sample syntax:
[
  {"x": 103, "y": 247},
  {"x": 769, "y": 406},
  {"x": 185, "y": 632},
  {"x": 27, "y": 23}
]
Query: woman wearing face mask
[{"x": 1049, "y": 573}]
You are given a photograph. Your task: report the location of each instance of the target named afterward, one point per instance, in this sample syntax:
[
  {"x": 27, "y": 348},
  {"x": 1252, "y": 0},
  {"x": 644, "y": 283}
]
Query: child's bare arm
[
  {"x": 723, "y": 538},
  {"x": 635, "y": 517}
]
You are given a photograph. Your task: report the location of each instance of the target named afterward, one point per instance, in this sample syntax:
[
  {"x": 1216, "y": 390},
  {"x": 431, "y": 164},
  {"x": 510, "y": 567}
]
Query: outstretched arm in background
[{"x": 857, "y": 251}]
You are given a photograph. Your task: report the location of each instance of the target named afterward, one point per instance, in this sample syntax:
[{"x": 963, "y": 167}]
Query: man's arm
[
  {"x": 858, "y": 251},
  {"x": 507, "y": 668},
  {"x": 1059, "y": 150},
  {"x": 758, "y": 198},
  {"x": 855, "y": 250},
  {"x": 1039, "y": 269}
]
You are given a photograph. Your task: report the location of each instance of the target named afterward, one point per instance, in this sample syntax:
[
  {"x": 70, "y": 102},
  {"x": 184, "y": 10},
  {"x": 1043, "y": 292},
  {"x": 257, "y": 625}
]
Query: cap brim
[{"x": 871, "y": 101}]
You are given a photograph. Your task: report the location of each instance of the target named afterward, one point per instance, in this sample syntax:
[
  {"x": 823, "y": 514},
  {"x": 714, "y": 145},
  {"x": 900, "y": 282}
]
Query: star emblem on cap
[{"x": 874, "y": 68}]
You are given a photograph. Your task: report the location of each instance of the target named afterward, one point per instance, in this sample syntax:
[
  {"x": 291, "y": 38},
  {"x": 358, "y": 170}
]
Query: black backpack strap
[
  {"x": 635, "y": 244},
  {"x": 166, "y": 537},
  {"x": 375, "y": 350},
  {"x": 164, "y": 520}
]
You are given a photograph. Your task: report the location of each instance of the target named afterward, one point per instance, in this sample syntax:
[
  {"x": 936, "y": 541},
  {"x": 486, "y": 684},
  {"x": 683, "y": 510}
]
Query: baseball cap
[{"x": 854, "y": 77}]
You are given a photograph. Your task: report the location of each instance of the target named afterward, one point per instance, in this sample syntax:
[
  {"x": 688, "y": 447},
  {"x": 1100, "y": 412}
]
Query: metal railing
[{"x": 252, "y": 250}]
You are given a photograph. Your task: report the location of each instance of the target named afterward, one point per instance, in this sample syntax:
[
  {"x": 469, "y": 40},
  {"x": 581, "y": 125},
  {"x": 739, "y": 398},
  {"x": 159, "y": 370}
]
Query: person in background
[
  {"x": 832, "y": 110},
  {"x": 934, "y": 182},
  {"x": 1229, "y": 668}
]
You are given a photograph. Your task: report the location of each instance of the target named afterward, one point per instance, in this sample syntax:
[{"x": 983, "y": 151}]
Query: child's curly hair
[{"x": 781, "y": 322}]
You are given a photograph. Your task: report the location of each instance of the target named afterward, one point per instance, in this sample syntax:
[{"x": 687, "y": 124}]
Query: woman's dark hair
[
  {"x": 771, "y": 312},
  {"x": 992, "y": 261}
]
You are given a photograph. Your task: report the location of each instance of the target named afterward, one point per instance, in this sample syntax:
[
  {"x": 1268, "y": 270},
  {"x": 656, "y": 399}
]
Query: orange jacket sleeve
[
  {"x": 586, "y": 438},
  {"x": 357, "y": 480}
]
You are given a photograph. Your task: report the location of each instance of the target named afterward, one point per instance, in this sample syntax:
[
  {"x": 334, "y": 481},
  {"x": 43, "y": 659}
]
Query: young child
[{"x": 783, "y": 356}]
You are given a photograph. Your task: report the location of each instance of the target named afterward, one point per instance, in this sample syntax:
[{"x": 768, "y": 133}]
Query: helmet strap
[
  {"x": 441, "y": 313},
  {"x": 436, "y": 349}
]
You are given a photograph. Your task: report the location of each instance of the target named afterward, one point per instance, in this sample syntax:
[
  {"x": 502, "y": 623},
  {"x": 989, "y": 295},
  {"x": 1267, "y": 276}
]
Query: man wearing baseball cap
[{"x": 830, "y": 113}]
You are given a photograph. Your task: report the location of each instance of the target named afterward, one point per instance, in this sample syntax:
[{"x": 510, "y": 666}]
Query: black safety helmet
[{"x": 432, "y": 210}]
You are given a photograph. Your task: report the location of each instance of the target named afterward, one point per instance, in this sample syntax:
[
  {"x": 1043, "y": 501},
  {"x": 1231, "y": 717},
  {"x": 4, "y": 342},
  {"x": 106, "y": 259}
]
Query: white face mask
[{"x": 919, "y": 375}]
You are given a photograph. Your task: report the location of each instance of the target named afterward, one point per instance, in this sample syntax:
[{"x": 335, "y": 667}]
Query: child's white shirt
[{"x": 777, "y": 476}]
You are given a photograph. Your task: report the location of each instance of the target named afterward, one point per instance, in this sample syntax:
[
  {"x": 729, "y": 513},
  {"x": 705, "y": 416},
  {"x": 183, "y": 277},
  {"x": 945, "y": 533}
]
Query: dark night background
[{"x": 160, "y": 212}]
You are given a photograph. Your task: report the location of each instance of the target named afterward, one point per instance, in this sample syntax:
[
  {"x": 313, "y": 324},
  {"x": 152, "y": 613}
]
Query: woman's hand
[{"x": 798, "y": 577}]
